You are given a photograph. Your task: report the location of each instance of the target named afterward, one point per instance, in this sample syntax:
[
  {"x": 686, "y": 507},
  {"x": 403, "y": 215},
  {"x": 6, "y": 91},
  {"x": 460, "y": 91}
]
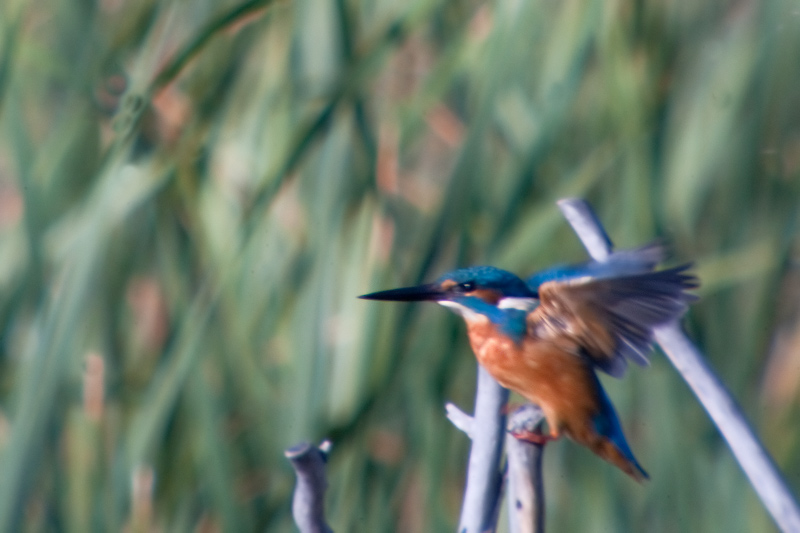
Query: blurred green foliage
[{"x": 193, "y": 193}]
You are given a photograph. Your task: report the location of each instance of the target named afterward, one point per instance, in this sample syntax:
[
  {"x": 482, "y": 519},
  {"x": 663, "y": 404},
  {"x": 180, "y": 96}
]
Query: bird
[{"x": 546, "y": 336}]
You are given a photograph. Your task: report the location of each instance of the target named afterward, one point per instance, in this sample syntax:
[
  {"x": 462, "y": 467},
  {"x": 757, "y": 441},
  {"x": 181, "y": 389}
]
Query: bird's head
[{"x": 467, "y": 289}]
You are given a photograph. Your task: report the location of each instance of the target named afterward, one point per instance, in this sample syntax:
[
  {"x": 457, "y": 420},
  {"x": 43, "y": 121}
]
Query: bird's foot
[{"x": 534, "y": 437}]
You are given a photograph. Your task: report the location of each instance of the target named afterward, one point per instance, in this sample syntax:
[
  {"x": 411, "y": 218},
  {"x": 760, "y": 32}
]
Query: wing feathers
[{"x": 611, "y": 319}]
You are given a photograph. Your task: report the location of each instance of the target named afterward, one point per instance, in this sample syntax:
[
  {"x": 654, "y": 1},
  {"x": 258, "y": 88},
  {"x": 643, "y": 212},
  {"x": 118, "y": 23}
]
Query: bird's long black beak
[{"x": 420, "y": 293}]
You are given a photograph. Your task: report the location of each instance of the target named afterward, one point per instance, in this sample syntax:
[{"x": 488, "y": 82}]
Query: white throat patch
[
  {"x": 462, "y": 310},
  {"x": 523, "y": 304}
]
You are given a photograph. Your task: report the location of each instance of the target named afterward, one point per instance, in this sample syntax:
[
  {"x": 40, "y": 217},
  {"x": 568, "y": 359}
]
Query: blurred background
[{"x": 193, "y": 193}]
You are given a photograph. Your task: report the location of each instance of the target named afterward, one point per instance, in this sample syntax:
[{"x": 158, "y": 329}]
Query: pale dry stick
[
  {"x": 525, "y": 485},
  {"x": 484, "y": 482},
  {"x": 461, "y": 420},
  {"x": 712, "y": 394},
  {"x": 524, "y": 470},
  {"x": 308, "y": 504}
]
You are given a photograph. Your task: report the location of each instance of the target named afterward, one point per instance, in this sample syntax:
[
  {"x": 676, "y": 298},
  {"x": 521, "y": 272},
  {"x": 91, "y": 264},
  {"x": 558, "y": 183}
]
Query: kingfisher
[{"x": 544, "y": 338}]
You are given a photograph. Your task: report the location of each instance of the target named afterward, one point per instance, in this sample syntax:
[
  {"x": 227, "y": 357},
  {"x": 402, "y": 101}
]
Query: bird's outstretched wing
[
  {"x": 620, "y": 263},
  {"x": 610, "y": 319}
]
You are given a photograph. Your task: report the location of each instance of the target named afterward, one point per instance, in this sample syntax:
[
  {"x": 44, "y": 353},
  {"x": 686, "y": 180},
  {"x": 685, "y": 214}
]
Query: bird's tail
[
  {"x": 608, "y": 441},
  {"x": 609, "y": 451}
]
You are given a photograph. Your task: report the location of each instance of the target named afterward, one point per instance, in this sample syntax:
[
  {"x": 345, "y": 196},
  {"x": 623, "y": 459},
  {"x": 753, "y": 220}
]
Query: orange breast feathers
[{"x": 553, "y": 377}]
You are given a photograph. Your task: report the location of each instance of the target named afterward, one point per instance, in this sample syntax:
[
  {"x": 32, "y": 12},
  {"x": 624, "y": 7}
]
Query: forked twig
[
  {"x": 482, "y": 494},
  {"x": 484, "y": 482}
]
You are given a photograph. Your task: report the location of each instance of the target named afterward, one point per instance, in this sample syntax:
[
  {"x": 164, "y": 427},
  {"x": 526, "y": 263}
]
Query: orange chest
[
  {"x": 491, "y": 348},
  {"x": 542, "y": 371}
]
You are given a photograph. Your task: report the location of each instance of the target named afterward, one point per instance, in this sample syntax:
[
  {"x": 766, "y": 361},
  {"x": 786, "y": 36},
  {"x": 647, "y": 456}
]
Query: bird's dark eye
[{"x": 467, "y": 286}]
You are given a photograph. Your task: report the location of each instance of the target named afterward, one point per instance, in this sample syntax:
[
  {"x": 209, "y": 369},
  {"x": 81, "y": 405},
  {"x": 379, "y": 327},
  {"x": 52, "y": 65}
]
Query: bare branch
[
  {"x": 525, "y": 485},
  {"x": 482, "y": 493},
  {"x": 713, "y": 395},
  {"x": 459, "y": 418},
  {"x": 308, "y": 503},
  {"x": 584, "y": 222}
]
